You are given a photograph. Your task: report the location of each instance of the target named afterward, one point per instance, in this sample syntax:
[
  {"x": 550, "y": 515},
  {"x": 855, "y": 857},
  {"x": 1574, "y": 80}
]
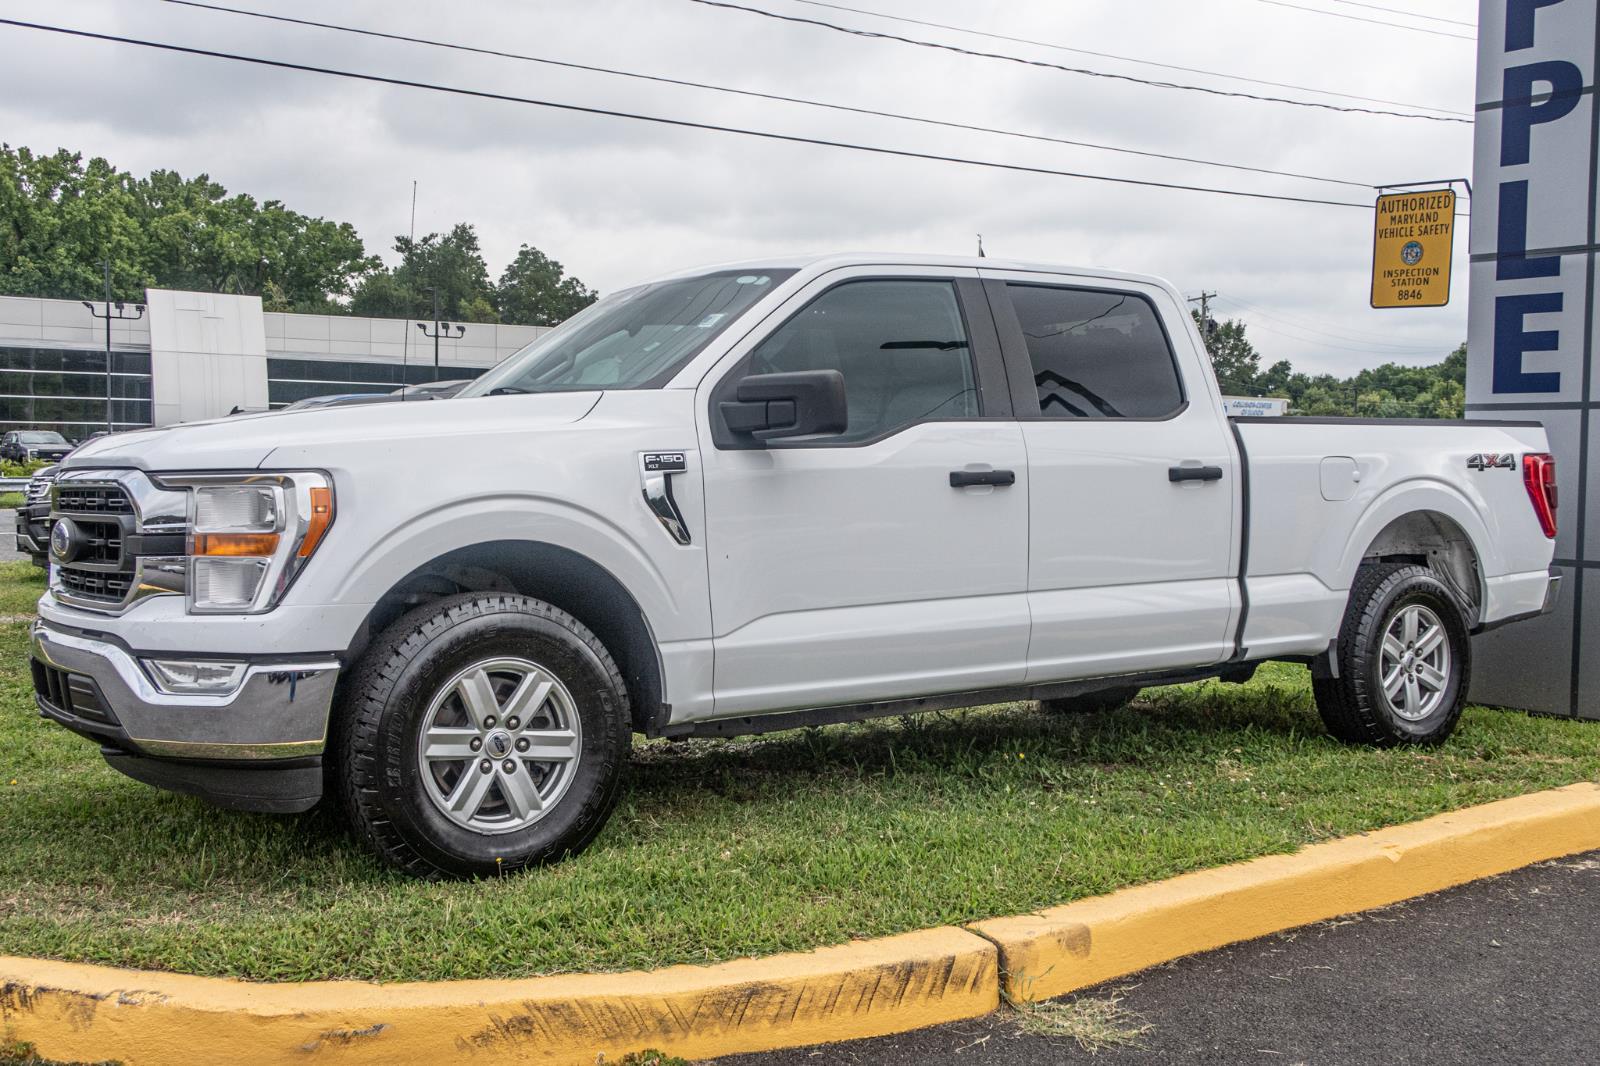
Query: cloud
[{"x": 617, "y": 200}]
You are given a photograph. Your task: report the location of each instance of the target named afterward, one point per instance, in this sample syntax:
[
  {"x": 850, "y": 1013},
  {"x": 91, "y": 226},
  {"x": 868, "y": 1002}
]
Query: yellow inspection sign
[{"x": 1412, "y": 237}]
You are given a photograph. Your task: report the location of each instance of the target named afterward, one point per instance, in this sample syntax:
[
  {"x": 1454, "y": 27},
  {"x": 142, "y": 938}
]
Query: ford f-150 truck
[{"x": 751, "y": 498}]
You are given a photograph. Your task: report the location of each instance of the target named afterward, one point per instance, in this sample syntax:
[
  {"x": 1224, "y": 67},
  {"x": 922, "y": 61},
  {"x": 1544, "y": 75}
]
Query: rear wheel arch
[
  {"x": 1437, "y": 541},
  {"x": 559, "y": 576}
]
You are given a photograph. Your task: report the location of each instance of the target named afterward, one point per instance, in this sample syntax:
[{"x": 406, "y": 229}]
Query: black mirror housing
[{"x": 804, "y": 403}]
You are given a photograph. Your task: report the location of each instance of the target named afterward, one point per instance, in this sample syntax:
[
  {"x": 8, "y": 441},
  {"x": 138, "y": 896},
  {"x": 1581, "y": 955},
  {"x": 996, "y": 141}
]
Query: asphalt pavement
[
  {"x": 8, "y": 537},
  {"x": 1505, "y": 970}
]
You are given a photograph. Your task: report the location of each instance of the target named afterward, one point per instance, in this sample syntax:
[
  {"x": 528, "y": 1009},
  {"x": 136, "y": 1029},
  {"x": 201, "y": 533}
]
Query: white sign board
[
  {"x": 1254, "y": 406},
  {"x": 1531, "y": 316}
]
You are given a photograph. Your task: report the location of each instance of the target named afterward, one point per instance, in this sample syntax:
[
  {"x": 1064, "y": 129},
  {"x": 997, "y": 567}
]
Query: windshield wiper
[{"x": 507, "y": 390}]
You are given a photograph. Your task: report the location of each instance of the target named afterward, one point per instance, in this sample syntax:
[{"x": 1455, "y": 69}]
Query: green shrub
[{"x": 11, "y": 469}]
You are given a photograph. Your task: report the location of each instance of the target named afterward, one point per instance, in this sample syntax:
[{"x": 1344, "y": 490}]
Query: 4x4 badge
[{"x": 1491, "y": 461}]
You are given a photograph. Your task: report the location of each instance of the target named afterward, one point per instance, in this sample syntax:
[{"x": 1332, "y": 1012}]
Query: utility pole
[
  {"x": 119, "y": 315},
  {"x": 1207, "y": 327},
  {"x": 440, "y": 329}
]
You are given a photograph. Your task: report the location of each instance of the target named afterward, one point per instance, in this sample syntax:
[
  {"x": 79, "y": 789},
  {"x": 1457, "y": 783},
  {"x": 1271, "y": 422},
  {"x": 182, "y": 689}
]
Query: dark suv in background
[{"x": 23, "y": 445}]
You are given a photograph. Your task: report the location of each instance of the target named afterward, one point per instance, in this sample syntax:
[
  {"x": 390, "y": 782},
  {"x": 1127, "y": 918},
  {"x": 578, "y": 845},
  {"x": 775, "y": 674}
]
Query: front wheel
[
  {"x": 487, "y": 732},
  {"x": 1403, "y": 661}
]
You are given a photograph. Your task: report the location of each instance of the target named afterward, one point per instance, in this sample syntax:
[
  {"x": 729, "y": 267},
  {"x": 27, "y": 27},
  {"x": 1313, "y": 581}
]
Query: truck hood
[{"x": 245, "y": 442}]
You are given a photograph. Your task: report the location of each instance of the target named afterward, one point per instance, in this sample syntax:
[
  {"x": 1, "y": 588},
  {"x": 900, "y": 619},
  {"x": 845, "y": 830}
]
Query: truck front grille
[
  {"x": 93, "y": 499},
  {"x": 38, "y": 489},
  {"x": 102, "y": 518},
  {"x": 95, "y": 585}
]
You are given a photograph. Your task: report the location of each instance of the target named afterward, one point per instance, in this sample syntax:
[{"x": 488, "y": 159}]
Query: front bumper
[
  {"x": 279, "y": 709},
  {"x": 257, "y": 748}
]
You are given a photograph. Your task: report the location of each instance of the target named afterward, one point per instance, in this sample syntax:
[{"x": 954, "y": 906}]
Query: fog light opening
[{"x": 211, "y": 677}]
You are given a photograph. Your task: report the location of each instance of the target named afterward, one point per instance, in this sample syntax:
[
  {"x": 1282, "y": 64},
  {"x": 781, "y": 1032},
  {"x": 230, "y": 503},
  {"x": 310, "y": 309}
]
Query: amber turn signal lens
[
  {"x": 321, "y": 519},
  {"x": 235, "y": 543}
]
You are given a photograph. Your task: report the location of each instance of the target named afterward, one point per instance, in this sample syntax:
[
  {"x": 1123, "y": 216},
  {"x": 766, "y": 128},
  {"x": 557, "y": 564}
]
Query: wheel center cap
[{"x": 498, "y": 744}]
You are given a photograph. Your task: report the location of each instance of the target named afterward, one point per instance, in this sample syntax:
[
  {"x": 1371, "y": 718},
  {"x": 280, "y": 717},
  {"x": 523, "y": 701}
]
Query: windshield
[
  {"x": 633, "y": 339},
  {"x": 41, "y": 438}
]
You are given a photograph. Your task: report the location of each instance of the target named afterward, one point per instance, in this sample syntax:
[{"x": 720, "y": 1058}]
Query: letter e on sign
[{"x": 1413, "y": 235}]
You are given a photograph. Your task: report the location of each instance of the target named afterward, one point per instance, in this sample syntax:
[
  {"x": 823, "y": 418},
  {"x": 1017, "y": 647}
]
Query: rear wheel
[
  {"x": 1403, "y": 661},
  {"x": 488, "y": 732},
  {"x": 1092, "y": 702}
]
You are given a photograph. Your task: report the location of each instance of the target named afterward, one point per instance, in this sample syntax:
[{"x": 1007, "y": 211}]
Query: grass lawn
[
  {"x": 727, "y": 848},
  {"x": 11, "y": 499}
]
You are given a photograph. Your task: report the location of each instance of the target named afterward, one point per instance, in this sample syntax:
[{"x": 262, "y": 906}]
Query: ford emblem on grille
[{"x": 64, "y": 540}]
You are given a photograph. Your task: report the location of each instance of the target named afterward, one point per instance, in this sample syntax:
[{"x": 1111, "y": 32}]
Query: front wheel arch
[{"x": 558, "y": 576}]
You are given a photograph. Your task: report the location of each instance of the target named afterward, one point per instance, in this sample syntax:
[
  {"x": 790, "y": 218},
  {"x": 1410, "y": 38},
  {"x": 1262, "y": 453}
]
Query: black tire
[
  {"x": 379, "y": 766},
  {"x": 1354, "y": 705},
  {"x": 1092, "y": 702}
]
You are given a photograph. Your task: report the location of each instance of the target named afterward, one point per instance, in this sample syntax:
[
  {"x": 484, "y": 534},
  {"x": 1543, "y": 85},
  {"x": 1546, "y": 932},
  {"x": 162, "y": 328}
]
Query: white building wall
[
  {"x": 66, "y": 324},
  {"x": 391, "y": 340},
  {"x": 208, "y": 355}
]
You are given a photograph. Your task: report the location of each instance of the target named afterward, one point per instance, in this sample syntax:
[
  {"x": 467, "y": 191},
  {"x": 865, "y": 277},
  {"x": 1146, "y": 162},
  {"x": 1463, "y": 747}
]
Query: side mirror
[{"x": 801, "y": 404}]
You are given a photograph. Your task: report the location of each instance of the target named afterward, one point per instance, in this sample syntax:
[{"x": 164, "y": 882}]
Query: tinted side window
[
  {"x": 900, "y": 345},
  {"x": 1096, "y": 354}
]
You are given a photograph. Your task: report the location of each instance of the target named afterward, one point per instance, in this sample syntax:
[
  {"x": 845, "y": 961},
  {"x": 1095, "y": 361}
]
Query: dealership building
[{"x": 195, "y": 355}]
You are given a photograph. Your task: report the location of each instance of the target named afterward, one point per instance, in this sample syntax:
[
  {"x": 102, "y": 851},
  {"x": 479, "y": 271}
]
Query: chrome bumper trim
[
  {"x": 1552, "y": 593},
  {"x": 280, "y": 709}
]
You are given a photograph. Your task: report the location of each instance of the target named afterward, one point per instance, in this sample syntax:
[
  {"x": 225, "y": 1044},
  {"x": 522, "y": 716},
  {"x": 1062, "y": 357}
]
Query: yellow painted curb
[
  {"x": 75, "y": 1012},
  {"x": 70, "y": 1011},
  {"x": 1094, "y": 940}
]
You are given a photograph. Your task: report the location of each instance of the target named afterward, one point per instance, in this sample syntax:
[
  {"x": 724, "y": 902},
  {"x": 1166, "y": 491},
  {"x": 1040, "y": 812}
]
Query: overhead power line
[
  {"x": 663, "y": 120},
  {"x": 661, "y": 79},
  {"x": 1208, "y": 90},
  {"x": 1312, "y": 326},
  {"x": 1375, "y": 22},
  {"x": 1333, "y": 340},
  {"x": 1407, "y": 14},
  {"x": 1125, "y": 59}
]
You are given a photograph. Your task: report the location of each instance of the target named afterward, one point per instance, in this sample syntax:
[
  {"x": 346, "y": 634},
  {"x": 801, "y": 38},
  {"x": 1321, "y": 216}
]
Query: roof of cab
[{"x": 818, "y": 263}]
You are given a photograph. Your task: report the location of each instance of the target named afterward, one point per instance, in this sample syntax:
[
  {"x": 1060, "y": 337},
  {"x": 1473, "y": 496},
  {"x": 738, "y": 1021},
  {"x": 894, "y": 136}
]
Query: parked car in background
[
  {"x": 862, "y": 485},
  {"x": 26, "y": 445},
  {"x": 432, "y": 390},
  {"x": 341, "y": 399},
  {"x": 33, "y": 517}
]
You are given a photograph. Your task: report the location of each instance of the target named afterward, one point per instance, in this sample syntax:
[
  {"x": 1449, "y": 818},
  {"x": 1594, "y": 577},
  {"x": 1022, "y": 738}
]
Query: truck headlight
[{"x": 250, "y": 535}]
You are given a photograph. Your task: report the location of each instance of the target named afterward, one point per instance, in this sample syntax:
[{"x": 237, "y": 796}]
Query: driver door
[{"x": 850, "y": 568}]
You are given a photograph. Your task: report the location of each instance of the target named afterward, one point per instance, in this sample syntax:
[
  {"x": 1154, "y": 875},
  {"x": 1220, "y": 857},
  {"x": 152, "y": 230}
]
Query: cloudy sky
[{"x": 617, "y": 200}]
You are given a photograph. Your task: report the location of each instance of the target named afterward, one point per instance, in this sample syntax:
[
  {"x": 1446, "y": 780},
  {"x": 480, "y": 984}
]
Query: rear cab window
[{"x": 1096, "y": 353}]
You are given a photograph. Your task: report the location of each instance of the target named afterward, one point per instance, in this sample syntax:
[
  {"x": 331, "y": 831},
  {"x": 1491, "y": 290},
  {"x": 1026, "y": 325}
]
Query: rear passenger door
[
  {"x": 1132, "y": 477},
  {"x": 850, "y": 568}
]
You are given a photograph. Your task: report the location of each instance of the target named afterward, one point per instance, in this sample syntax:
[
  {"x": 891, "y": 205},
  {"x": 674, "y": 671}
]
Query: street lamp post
[
  {"x": 440, "y": 329},
  {"x": 120, "y": 314}
]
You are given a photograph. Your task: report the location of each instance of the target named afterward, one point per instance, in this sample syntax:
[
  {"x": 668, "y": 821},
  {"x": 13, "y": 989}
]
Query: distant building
[
  {"x": 1254, "y": 406},
  {"x": 201, "y": 355}
]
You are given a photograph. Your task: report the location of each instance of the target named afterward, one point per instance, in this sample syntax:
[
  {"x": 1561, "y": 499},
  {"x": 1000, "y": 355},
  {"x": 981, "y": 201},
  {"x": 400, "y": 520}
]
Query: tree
[
  {"x": 534, "y": 290},
  {"x": 1233, "y": 357},
  {"x": 450, "y": 262},
  {"x": 59, "y": 217},
  {"x": 199, "y": 237}
]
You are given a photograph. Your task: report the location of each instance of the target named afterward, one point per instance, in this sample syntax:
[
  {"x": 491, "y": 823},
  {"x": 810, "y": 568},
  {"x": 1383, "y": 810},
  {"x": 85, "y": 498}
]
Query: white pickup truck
[{"x": 751, "y": 498}]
